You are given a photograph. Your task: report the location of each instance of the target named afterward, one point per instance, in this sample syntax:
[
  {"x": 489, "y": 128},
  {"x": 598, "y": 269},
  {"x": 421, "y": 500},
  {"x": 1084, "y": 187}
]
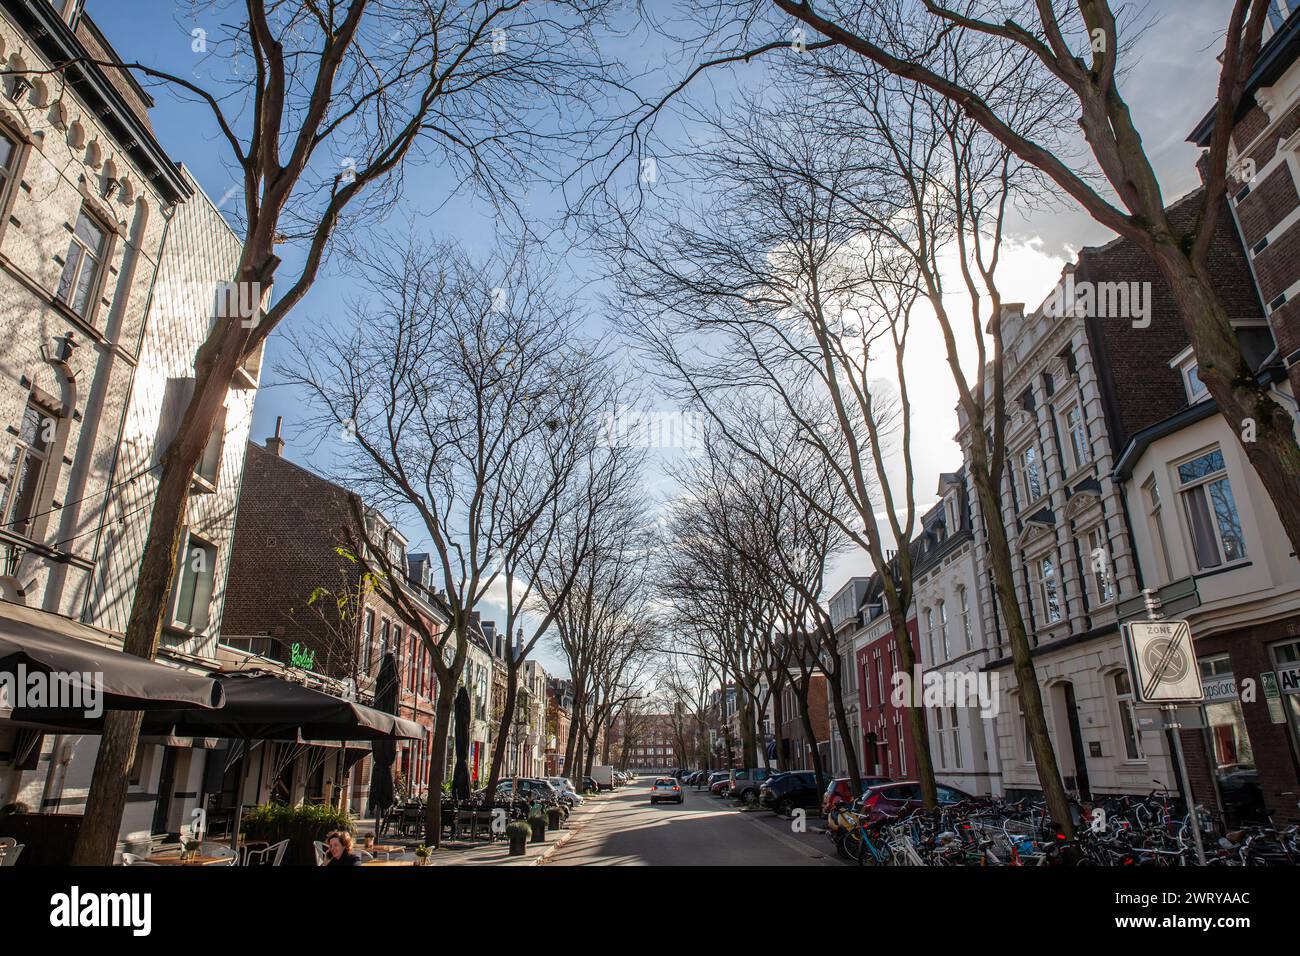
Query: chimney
[{"x": 275, "y": 444}]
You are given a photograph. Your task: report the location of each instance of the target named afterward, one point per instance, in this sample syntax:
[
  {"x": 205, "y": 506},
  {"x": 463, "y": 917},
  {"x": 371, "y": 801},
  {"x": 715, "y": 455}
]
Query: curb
[{"x": 568, "y": 835}]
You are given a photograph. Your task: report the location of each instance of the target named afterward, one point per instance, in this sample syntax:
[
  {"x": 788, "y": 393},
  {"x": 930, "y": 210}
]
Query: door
[{"x": 166, "y": 790}]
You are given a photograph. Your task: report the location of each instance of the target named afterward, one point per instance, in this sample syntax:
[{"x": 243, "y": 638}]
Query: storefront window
[
  {"x": 1231, "y": 755},
  {"x": 1286, "y": 657}
]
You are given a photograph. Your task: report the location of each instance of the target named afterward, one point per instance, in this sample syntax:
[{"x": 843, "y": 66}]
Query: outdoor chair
[
  {"x": 272, "y": 855},
  {"x": 412, "y": 820},
  {"x": 221, "y": 851},
  {"x": 322, "y": 852},
  {"x": 9, "y": 853}
]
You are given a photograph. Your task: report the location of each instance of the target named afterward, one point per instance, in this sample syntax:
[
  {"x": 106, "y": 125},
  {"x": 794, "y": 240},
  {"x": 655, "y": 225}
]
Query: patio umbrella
[
  {"x": 460, "y": 778},
  {"x": 387, "y": 688}
]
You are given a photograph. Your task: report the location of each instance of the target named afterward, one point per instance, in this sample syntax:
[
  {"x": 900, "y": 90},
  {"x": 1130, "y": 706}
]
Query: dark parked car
[
  {"x": 838, "y": 791},
  {"x": 720, "y": 782},
  {"x": 589, "y": 785},
  {"x": 783, "y": 792},
  {"x": 892, "y": 799}
]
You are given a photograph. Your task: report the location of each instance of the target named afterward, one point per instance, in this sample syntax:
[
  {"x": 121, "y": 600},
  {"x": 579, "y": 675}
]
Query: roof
[{"x": 1275, "y": 56}]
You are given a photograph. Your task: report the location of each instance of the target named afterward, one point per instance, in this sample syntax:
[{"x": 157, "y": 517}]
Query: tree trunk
[
  {"x": 915, "y": 715},
  {"x": 1031, "y": 698},
  {"x": 503, "y": 729},
  {"x": 805, "y": 718},
  {"x": 215, "y": 368},
  {"x": 850, "y": 745},
  {"x": 442, "y": 710}
]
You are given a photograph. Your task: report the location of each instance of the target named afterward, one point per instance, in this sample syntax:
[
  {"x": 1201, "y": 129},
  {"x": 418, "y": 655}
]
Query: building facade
[{"x": 111, "y": 261}]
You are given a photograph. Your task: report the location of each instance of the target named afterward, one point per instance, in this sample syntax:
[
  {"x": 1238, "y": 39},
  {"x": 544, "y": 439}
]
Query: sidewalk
[{"x": 497, "y": 853}]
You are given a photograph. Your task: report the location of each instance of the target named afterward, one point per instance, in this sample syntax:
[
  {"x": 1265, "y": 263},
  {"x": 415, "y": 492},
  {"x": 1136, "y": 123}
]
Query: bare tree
[
  {"x": 326, "y": 104},
  {"x": 1073, "y": 48},
  {"x": 594, "y": 499},
  {"x": 463, "y": 403},
  {"x": 765, "y": 294}
]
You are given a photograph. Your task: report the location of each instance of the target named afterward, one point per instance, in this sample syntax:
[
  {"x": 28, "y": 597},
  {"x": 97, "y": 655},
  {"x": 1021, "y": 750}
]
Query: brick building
[
  {"x": 290, "y": 524},
  {"x": 1264, "y": 162}
]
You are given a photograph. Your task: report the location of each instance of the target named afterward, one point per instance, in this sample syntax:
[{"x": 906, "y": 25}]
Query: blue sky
[{"x": 1169, "y": 86}]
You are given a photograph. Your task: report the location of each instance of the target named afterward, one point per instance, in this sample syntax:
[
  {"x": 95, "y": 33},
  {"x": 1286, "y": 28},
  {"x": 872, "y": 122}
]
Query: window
[
  {"x": 81, "y": 268},
  {"x": 1076, "y": 435},
  {"x": 27, "y": 469},
  {"x": 1127, "y": 725},
  {"x": 367, "y": 642},
  {"x": 1211, "y": 511},
  {"x": 943, "y": 629},
  {"x": 1196, "y": 389},
  {"x": 963, "y": 603},
  {"x": 1103, "y": 586},
  {"x": 8, "y": 156},
  {"x": 954, "y": 732},
  {"x": 1030, "y": 480},
  {"x": 383, "y": 640},
  {"x": 1048, "y": 590},
  {"x": 194, "y": 585},
  {"x": 929, "y": 633},
  {"x": 1027, "y": 749},
  {"x": 1156, "y": 526},
  {"x": 209, "y": 466}
]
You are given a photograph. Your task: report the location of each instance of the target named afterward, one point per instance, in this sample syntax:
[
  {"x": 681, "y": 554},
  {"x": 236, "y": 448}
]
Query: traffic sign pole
[{"x": 1171, "y": 723}]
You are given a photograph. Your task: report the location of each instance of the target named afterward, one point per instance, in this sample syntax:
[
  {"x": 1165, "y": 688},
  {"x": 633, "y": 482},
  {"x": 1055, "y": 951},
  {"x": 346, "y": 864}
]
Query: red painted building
[{"x": 887, "y": 747}]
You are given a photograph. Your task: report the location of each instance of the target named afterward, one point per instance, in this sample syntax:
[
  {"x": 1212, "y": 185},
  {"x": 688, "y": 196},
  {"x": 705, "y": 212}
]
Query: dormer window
[{"x": 1189, "y": 371}]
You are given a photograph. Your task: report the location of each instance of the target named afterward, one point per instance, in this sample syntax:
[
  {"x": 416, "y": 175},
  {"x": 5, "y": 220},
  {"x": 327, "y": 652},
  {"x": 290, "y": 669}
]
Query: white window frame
[
  {"x": 1186, "y": 490},
  {"x": 1101, "y": 573},
  {"x": 71, "y": 275},
  {"x": 1042, "y": 588}
]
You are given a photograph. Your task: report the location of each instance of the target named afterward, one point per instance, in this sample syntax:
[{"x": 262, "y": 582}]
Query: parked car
[
  {"x": 528, "y": 787},
  {"x": 564, "y": 787},
  {"x": 783, "y": 792},
  {"x": 589, "y": 785},
  {"x": 603, "y": 774},
  {"x": 666, "y": 790},
  {"x": 720, "y": 783},
  {"x": 892, "y": 799},
  {"x": 745, "y": 783},
  {"x": 838, "y": 791}
]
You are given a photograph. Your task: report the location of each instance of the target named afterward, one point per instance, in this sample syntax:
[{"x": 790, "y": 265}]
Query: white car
[
  {"x": 567, "y": 791},
  {"x": 666, "y": 788}
]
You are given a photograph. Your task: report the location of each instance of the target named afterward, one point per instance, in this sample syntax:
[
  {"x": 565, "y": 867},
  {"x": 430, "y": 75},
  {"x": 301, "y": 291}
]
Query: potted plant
[
  {"x": 554, "y": 815},
  {"x": 189, "y": 849},
  {"x": 369, "y": 841},
  {"x": 537, "y": 819},
  {"x": 518, "y": 832},
  {"x": 422, "y": 855}
]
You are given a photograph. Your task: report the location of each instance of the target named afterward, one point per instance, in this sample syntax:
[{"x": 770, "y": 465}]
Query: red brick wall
[
  {"x": 1271, "y": 743},
  {"x": 1134, "y": 361},
  {"x": 289, "y": 524}
]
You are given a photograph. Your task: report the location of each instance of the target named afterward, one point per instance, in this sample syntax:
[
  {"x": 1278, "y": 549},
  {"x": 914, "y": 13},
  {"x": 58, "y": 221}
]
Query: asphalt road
[{"x": 703, "y": 831}]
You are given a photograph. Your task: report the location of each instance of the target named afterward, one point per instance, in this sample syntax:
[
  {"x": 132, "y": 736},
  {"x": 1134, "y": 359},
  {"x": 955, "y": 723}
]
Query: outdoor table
[
  {"x": 389, "y": 863},
  {"x": 384, "y": 849},
  {"x": 174, "y": 859}
]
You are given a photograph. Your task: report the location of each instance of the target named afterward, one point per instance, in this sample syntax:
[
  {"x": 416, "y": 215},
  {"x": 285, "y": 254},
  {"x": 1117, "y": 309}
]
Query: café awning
[
  {"x": 258, "y": 706},
  {"x": 41, "y": 643}
]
